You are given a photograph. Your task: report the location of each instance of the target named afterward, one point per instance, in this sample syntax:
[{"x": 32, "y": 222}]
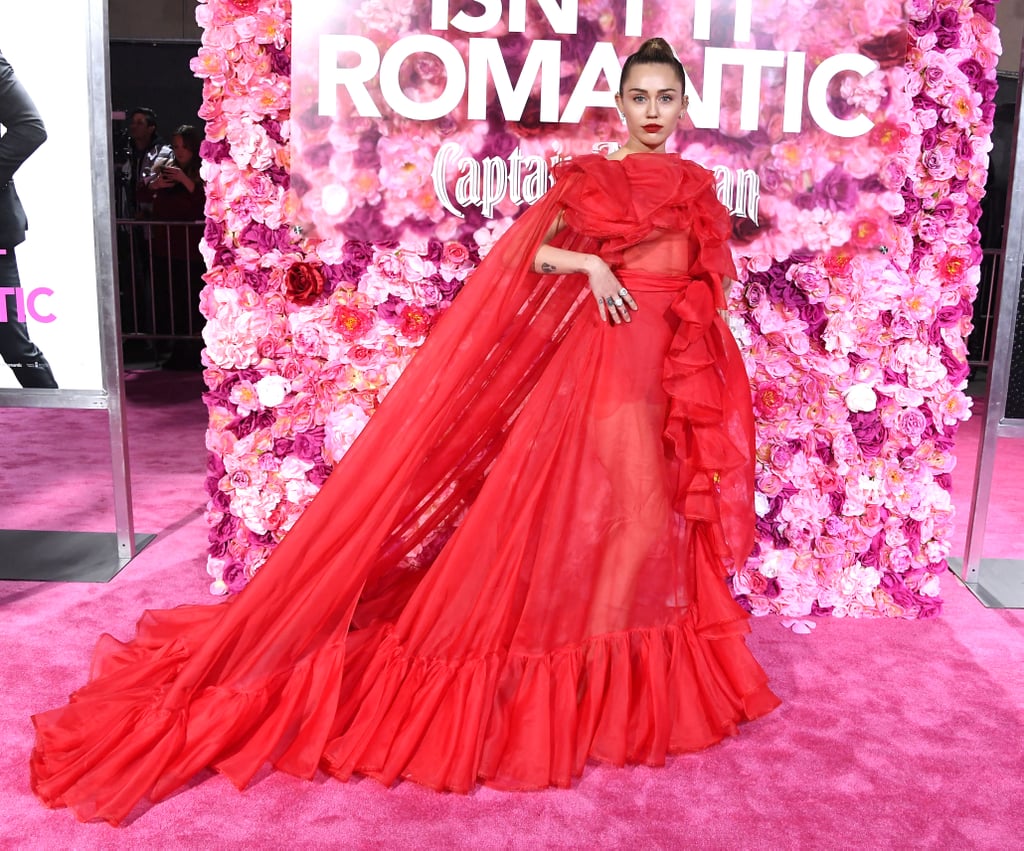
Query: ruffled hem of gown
[{"x": 646, "y": 693}]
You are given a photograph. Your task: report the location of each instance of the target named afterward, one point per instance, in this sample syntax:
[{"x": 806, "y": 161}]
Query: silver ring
[
  {"x": 623, "y": 292},
  {"x": 609, "y": 301},
  {"x": 618, "y": 301}
]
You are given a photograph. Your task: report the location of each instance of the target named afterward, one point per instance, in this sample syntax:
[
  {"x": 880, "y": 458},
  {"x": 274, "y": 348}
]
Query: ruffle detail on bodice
[
  {"x": 622, "y": 202},
  {"x": 696, "y": 398}
]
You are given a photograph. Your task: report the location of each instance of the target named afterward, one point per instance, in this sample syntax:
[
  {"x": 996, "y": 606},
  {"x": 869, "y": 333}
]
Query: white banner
[{"x": 46, "y": 45}]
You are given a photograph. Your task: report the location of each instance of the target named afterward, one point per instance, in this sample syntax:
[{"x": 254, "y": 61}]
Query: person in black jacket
[{"x": 23, "y": 133}]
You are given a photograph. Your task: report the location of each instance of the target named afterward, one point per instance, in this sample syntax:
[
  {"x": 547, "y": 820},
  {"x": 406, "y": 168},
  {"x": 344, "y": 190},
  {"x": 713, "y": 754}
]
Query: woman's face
[
  {"x": 182, "y": 155},
  {"x": 652, "y": 101}
]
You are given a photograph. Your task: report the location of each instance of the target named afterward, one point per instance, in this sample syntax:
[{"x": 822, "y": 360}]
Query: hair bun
[
  {"x": 657, "y": 50},
  {"x": 654, "y": 51}
]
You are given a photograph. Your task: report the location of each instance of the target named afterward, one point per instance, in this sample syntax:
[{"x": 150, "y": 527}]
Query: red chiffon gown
[{"x": 520, "y": 564}]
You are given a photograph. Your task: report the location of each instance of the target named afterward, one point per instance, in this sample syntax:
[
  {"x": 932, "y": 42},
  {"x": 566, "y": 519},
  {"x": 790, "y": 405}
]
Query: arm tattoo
[{"x": 547, "y": 267}]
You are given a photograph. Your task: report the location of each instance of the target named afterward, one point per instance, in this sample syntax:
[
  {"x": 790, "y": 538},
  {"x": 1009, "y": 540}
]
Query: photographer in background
[
  {"x": 179, "y": 196},
  {"x": 146, "y": 148},
  {"x": 177, "y": 189},
  {"x": 24, "y": 132}
]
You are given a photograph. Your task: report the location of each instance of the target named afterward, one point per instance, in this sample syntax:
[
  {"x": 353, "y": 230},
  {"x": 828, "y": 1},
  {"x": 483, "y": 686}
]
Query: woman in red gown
[{"x": 520, "y": 564}]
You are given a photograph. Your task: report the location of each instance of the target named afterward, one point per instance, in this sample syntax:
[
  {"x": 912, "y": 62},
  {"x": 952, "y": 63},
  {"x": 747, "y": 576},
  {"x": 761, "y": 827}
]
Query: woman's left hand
[{"x": 175, "y": 175}]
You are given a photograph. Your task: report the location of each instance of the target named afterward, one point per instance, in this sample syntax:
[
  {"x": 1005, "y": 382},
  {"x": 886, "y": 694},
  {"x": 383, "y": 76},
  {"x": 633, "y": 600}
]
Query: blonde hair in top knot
[{"x": 654, "y": 51}]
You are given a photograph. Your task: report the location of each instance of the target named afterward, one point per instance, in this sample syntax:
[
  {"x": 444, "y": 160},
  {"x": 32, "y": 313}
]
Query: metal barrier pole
[
  {"x": 999, "y": 582},
  {"x": 188, "y": 280},
  {"x": 988, "y": 286},
  {"x": 109, "y": 301},
  {"x": 139, "y": 279},
  {"x": 148, "y": 229},
  {"x": 169, "y": 270},
  {"x": 132, "y": 261}
]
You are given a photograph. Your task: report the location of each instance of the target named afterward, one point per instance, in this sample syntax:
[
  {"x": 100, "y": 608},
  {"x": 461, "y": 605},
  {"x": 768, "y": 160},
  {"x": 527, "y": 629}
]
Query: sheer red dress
[{"x": 520, "y": 564}]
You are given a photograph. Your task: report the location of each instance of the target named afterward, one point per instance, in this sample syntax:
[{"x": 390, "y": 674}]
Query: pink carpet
[{"x": 891, "y": 734}]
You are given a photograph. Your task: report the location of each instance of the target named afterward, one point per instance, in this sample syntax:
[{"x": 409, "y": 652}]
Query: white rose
[
  {"x": 761, "y": 504},
  {"x": 334, "y": 198},
  {"x": 271, "y": 390},
  {"x": 860, "y": 397},
  {"x": 342, "y": 426},
  {"x": 930, "y": 587},
  {"x": 294, "y": 468}
]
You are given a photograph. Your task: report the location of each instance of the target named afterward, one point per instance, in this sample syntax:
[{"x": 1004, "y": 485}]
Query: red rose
[
  {"x": 758, "y": 582},
  {"x": 889, "y": 49},
  {"x": 416, "y": 320},
  {"x": 352, "y": 324},
  {"x": 530, "y": 123},
  {"x": 744, "y": 230},
  {"x": 888, "y": 136},
  {"x": 864, "y": 233},
  {"x": 455, "y": 253},
  {"x": 304, "y": 283},
  {"x": 838, "y": 265}
]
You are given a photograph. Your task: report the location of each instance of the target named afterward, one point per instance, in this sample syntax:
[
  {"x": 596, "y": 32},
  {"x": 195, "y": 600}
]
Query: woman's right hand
[{"x": 613, "y": 300}]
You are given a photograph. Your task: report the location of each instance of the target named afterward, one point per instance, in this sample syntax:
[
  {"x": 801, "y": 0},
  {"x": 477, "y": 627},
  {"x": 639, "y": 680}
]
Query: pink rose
[
  {"x": 912, "y": 423},
  {"x": 362, "y": 356},
  {"x": 240, "y": 479},
  {"x": 770, "y": 485},
  {"x": 781, "y": 455}
]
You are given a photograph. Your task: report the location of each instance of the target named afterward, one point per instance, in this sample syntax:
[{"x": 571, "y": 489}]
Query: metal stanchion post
[{"x": 999, "y": 583}]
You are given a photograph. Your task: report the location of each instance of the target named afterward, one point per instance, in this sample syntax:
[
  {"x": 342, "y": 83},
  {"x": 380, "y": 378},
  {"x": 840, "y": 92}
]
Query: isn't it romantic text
[
  {"x": 351, "y": 70},
  {"x": 25, "y": 304}
]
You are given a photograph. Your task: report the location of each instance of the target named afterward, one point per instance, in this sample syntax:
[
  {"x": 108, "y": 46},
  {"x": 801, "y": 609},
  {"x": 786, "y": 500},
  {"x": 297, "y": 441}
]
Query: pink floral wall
[{"x": 857, "y": 276}]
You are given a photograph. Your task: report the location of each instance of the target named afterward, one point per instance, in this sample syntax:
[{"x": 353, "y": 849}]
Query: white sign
[{"x": 46, "y": 45}]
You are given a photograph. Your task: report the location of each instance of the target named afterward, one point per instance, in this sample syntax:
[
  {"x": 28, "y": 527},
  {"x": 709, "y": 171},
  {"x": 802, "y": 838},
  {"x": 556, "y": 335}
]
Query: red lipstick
[{"x": 652, "y": 128}]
